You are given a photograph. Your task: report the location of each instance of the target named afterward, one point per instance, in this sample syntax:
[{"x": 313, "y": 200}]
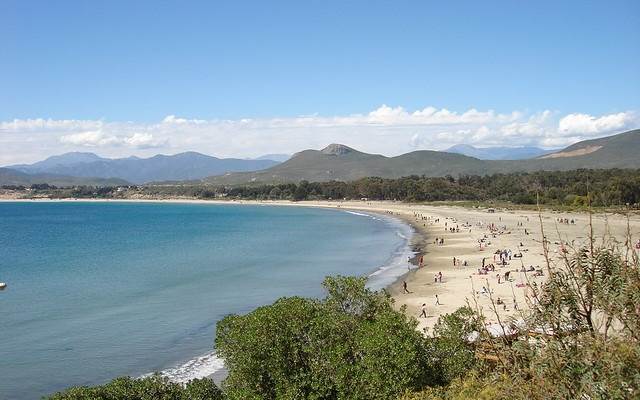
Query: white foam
[
  {"x": 199, "y": 367},
  {"x": 398, "y": 264},
  {"x": 362, "y": 214}
]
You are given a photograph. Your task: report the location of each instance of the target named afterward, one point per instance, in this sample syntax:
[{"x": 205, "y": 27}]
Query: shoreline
[{"x": 515, "y": 230}]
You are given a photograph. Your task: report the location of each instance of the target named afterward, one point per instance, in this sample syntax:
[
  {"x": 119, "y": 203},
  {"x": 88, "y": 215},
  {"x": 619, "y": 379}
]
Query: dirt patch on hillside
[{"x": 574, "y": 153}]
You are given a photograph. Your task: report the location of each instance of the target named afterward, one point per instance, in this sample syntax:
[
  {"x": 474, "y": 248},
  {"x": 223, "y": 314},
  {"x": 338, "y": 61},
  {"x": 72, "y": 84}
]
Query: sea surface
[{"x": 103, "y": 289}]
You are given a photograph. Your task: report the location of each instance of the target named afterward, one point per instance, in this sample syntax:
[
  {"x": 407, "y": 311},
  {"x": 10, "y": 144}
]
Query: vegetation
[
  {"x": 612, "y": 187},
  {"x": 350, "y": 345},
  {"x": 151, "y": 388},
  {"x": 11, "y": 177}
]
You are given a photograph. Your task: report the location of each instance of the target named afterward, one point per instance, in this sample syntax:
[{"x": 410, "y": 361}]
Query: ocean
[{"x": 98, "y": 290}]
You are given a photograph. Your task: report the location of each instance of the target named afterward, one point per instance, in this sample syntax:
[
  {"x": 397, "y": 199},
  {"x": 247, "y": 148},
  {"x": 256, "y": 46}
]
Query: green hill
[
  {"x": 12, "y": 177},
  {"x": 342, "y": 163}
]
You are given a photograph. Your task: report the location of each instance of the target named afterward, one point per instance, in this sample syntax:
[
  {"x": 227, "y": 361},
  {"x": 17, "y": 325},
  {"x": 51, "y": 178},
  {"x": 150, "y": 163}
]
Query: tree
[
  {"x": 350, "y": 345},
  {"x": 154, "y": 387},
  {"x": 450, "y": 347}
]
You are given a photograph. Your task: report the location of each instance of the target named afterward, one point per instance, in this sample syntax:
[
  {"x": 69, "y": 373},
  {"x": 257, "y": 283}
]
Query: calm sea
[{"x": 99, "y": 290}]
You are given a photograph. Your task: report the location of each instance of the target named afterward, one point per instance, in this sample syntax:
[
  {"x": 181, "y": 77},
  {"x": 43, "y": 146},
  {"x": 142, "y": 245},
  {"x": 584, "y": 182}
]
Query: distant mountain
[
  {"x": 63, "y": 159},
  {"x": 17, "y": 178},
  {"x": 183, "y": 166},
  {"x": 343, "y": 163},
  {"x": 498, "y": 152},
  {"x": 275, "y": 157}
]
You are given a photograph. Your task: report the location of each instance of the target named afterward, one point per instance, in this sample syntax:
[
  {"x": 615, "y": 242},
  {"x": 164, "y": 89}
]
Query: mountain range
[
  {"x": 178, "y": 167},
  {"x": 498, "y": 152},
  {"x": 335, "y": 162},
  {"x": 343, "y": 163}
]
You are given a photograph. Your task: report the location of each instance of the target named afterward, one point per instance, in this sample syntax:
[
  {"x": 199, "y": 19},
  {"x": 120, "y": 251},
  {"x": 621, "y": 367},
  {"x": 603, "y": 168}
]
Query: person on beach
[
  {"x": 437, "y": 300},
  {"x": 404, "y": 287},
  {"x": 423, "y": 314}
]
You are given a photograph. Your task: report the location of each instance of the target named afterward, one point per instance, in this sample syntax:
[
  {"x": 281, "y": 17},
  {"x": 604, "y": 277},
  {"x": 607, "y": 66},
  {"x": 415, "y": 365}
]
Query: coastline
[{"x": 460, "y": 285}]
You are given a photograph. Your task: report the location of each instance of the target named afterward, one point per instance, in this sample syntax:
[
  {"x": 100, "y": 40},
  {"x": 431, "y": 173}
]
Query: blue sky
[{"x": 141, "y": 61}]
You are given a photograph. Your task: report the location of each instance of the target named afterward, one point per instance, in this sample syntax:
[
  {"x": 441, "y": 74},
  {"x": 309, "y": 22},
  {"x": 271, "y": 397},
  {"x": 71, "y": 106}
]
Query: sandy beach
[{"x": 469, "y": 236}]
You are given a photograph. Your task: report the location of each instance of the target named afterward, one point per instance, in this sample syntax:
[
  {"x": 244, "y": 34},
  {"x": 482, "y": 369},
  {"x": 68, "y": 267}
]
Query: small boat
[{"x": 2, "y": 285}]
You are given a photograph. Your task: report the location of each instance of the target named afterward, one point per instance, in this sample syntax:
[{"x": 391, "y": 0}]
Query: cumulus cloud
[
  {"x": 39, "y": 124},
  {"x": 588, "y": 124},
  {"x": 172, "y": 119},
  {"x": 101, "y": 139},
  {"x": 388, "y": 130},
  {"x": 89, "y": 138}
]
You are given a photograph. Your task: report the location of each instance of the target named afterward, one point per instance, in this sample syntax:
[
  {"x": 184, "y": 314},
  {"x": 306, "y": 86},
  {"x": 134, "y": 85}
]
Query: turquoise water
[{"x": 98, "y": 290}]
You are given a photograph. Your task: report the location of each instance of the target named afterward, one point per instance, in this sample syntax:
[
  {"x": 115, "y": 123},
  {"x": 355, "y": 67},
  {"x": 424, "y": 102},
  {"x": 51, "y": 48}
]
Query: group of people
[
  {"x": 423, "y": 308},
  {"x": 565, "y": 221},
  {"x": 459, "y": 263},
  {"x": 501, "y": 257},
  {"x": 501, "y": 302}
]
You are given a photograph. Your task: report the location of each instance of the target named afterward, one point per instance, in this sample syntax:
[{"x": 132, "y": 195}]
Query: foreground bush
[
  {"x": 151, "y": 388},
  {"x": 350, "y": 345}
]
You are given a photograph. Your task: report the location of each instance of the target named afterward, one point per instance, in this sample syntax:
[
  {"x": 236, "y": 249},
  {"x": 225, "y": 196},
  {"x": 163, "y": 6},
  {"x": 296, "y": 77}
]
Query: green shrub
[
  {"x": 350, "y": 345},
  {"x": 152, "y": 388}
]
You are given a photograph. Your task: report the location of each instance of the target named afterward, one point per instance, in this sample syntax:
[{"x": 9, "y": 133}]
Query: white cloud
[
  {"x": 89, "y": 138},
  {"x": 587, "y": 124},
  {"x": 39, "y": 124},
  {"x": 142, "y": 141},
  {"x": 415, "y": 141},
  {"x": 386, "y": 130},
  {"x": 101, "y": 139},
  {"x": 172, "y": 119}
]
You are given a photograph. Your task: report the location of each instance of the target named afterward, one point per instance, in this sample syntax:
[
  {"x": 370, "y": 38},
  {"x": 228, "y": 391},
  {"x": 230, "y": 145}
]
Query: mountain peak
[
  {"x": 460, "y": 146},
  {"x": 336, "y": 149},
  {"x": 74, "y": 157}
]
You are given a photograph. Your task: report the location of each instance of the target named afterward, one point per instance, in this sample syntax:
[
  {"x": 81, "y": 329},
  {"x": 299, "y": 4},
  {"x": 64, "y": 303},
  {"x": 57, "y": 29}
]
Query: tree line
[{"x": 607, "y": 187}]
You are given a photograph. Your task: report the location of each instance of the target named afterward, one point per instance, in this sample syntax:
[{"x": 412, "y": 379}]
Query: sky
[{"x": 246, "y": 78}]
